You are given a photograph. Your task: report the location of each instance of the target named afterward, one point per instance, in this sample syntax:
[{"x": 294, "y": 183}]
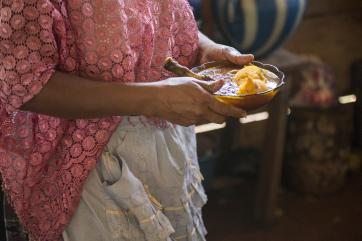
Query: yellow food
[{"x": 251, "y": 80}]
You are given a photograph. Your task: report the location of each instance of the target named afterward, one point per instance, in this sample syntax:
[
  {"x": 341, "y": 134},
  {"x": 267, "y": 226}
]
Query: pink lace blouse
[{"x": 44, "y": 161}]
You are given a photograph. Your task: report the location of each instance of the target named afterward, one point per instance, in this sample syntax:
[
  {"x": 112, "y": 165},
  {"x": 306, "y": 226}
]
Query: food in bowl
[
  {"x": 248, "y": 80},
  {"x": 248, "y": 87}
]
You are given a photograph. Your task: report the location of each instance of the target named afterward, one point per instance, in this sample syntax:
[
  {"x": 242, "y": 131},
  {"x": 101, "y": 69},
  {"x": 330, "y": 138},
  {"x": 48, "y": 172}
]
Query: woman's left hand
[{"x": 211, "y": 51}]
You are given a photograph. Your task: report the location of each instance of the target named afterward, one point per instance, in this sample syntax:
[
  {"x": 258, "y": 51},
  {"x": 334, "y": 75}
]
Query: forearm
[{"x": 70, "y": 96}]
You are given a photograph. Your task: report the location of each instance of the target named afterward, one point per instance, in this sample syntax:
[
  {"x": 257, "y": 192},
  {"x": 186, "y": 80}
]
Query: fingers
[
  {"x": 212, "y": 117},
  {"x": 208, "y": 116},
  {"x": 193, "y": 103},
  {"x": 226, "y": 109},
  {"x": 235, "y": 57},
  {"x": 216, "y": 106},
  {"x": 210, "y": 86}
]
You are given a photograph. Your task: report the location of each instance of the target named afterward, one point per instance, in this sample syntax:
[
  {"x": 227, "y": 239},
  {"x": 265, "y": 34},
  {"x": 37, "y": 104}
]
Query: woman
[{"x": 94, "y": 138}]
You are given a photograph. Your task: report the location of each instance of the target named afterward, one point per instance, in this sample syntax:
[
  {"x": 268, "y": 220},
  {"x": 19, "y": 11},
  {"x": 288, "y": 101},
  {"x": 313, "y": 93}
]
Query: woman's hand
[
  {"x": 211, "y": 51},
  {"x": 185, "y": 102}
]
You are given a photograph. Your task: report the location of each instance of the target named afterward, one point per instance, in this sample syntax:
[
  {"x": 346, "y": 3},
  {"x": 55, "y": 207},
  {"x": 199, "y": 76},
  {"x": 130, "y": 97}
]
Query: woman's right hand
[
  {"x": 179, "y": 100},
  {"x": 187, "y": 101}
]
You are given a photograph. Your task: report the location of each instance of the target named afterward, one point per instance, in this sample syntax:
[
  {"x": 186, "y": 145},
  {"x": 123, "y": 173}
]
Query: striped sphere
[{"x": 258, "y": 26}]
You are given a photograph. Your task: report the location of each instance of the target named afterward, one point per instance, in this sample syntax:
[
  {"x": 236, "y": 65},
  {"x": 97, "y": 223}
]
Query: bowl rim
[{"x": 275, "y": 70}]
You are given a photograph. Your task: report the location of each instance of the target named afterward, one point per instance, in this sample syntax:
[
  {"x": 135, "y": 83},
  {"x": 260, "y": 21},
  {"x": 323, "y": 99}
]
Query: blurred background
[{"x": 290, "y": 171}]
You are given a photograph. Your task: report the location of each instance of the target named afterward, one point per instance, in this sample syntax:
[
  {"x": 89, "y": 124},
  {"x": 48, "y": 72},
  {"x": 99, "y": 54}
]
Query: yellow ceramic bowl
[{"x": 251, "y": 101}]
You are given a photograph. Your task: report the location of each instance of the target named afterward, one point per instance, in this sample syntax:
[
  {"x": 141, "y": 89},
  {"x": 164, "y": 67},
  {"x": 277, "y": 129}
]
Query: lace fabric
[{"x": 45, "y": 160}]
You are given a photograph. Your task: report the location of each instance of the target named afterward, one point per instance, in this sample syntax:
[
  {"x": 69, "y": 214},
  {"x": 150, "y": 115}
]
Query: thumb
[
  {"x": 210, "y": 86},
  {"x": 235, "y": 57}
]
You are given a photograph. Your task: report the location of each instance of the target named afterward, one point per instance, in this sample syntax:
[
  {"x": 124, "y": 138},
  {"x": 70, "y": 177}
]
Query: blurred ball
[{"x": 258, "y": 26}]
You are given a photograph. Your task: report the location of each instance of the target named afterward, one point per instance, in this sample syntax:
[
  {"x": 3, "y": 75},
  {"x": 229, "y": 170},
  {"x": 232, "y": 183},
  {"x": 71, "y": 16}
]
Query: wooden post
[
  {"x": 271, "y": 166},
  {"x": 227, "y": 140}
]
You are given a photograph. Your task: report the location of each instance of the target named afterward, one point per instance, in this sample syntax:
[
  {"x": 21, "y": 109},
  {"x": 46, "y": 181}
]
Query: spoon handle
[{"x": 180, "y": 70}]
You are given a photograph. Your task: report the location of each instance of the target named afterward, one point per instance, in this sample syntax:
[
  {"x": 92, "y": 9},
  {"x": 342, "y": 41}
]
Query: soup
[{"x": 248, "y": 80}]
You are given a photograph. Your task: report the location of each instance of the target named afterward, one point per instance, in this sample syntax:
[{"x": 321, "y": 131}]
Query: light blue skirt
[{"x": 146, "y": 187}]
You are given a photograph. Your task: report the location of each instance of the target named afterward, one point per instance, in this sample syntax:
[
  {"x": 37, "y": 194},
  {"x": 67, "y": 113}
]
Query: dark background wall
[{"x": 332, "y": 30}]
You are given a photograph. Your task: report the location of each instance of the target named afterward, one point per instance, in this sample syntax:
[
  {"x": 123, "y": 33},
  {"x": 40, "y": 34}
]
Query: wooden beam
[{"x": 271, "y": 166}]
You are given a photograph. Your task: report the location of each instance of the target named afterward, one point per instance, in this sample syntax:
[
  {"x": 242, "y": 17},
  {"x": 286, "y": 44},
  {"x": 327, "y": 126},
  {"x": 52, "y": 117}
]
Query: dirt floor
[{"x": 335, "y": 217}]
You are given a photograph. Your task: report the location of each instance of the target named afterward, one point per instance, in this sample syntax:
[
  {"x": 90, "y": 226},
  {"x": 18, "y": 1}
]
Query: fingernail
[
  {"x": 251, "y": 56},
  {"x": 247, "y": 55},
  {"x": 245, "y": 58}
]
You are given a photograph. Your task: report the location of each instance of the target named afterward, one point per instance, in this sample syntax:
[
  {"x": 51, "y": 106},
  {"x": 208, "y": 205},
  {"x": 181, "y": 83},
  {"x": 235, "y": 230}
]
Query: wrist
[
  {"x": 205, "y": 42},
  {"x": 142, "y": 99}
]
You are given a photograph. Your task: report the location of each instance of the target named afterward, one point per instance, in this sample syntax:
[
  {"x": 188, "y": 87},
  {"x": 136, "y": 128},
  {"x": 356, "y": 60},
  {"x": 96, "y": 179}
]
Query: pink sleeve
[{"x": 28, "y": 50}]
